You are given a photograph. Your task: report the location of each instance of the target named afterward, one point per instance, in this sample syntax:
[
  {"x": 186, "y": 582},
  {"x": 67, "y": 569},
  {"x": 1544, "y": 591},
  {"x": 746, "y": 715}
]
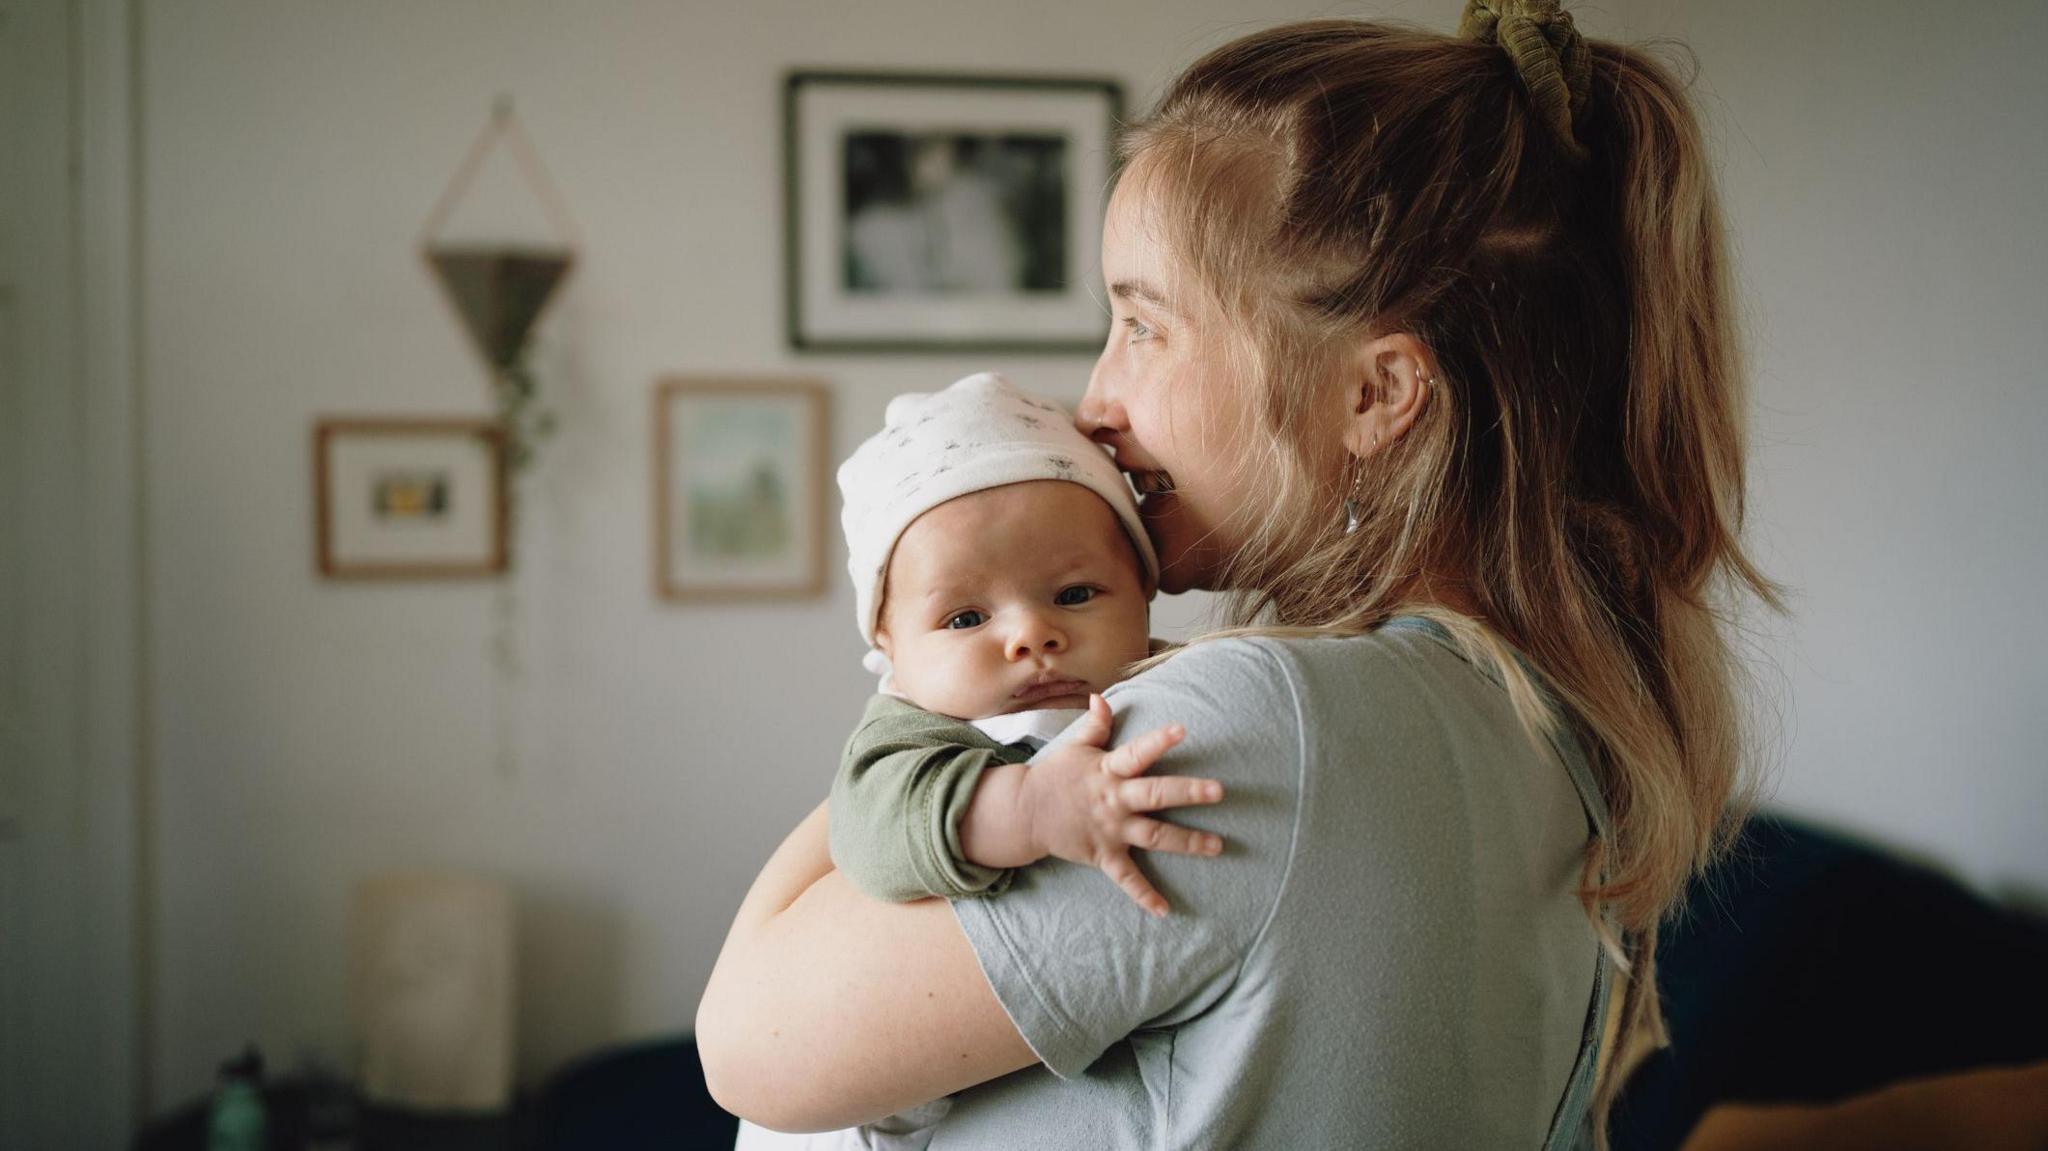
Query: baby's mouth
[{"x": 1050, "y": 689}]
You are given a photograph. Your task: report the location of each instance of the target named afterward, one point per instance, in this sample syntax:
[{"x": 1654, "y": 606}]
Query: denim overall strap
[{"x": 1571, "y": 1126}]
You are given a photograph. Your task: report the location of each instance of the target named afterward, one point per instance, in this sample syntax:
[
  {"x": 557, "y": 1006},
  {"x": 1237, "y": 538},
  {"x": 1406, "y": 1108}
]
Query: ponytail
[{"x": 1683, "y": 443}]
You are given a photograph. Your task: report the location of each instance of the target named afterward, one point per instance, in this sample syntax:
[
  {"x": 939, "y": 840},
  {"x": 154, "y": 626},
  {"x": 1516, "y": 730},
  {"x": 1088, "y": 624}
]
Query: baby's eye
[
  {"x": 961, "y": 621},
  {"x": 1073, "y": 596}
]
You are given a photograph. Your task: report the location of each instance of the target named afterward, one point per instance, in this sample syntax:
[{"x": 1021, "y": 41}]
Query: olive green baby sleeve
[{"x": 903, "y": 785}]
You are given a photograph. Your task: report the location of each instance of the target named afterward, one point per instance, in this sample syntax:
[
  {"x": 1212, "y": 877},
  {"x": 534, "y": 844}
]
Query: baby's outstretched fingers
[
  {"x": 1159, "y": 835},
  {"x": 1119, "y": 867},
  {"x": 1137, "y": 755},
  {"x": 1158, "y": 791},
  {"x": 1092, "y": 730}
]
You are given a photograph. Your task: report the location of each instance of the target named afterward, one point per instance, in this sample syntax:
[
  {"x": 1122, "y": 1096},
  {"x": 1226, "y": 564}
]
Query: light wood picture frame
[
  {"x": 409, "y": 498},
  {"x": 741, "y": 470}
]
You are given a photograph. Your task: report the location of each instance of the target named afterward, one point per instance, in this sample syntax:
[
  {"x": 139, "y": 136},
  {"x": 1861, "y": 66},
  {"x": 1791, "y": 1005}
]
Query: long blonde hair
[{"x": 1577, "y": 471}]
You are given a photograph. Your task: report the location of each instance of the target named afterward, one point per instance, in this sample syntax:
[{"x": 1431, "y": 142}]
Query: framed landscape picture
[
  {"x": 739, "y": 488},
  {"x": 409, "y": 498},
  {"x": 939, "y": 212}
]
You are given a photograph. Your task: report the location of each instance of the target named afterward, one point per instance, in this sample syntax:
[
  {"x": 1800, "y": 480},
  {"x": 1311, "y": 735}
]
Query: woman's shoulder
[
  {"x": 1394, "y": 664},
  {"x": 1401, "y": 696}
]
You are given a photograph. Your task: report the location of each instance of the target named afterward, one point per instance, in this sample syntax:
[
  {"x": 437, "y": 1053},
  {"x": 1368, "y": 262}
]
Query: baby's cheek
[
  {"x": 967, "y": 690},
  {"x": 1136, "y": 641}
]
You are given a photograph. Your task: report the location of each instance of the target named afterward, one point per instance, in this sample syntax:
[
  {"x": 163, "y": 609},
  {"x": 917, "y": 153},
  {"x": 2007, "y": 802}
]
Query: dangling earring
[{"x": 1354, "y": 508}]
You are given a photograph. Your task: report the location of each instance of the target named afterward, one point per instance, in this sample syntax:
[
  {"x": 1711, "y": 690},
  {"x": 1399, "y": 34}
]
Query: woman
[{"x": 1422, "y": 351}]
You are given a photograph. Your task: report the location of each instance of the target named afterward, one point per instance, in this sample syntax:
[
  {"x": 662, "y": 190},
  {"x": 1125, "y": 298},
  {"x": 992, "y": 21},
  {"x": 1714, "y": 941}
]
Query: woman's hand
[{"x": 1084, "y": 804}]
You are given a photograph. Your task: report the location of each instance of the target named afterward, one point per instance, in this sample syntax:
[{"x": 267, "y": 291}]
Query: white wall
[
  {"x": 307, "y": 733},
  {"x": 1883, "y": 173},
  {"x": 1883, "y": 177}
]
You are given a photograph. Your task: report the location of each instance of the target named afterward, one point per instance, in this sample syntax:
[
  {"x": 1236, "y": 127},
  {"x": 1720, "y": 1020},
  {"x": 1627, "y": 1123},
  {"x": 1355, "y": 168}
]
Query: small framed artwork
[
  {"x": 409, "y": 498},
  {"x": 739, "y": 488},
  {"x": 945, "y": 213}
]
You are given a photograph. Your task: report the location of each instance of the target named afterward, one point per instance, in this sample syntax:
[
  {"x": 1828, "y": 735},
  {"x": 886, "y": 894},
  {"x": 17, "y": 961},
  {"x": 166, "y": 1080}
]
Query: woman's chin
[
  {"x": 1177, "y": 570},
  {"x": 1180, "y": 568},
  {"x": 1185, "y": 573}
]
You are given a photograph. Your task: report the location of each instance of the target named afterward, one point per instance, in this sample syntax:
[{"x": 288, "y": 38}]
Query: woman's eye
[
  {"x": 1137, "y": 328},
  {"x": 1073, "y": 596},
  {"x": 961, "y": 621}
]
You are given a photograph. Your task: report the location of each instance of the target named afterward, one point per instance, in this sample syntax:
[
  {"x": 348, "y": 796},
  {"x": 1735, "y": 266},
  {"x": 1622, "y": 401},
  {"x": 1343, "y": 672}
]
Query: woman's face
[{"x": 1163, "y": 397}]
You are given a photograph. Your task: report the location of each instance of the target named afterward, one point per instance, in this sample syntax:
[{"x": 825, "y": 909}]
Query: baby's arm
[
  {"x": 898, "y": 801},
  {"x": 1084, "y": 804}
]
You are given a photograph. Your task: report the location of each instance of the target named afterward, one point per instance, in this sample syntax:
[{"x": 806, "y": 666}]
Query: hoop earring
[{"x": 1354, "y": 507}]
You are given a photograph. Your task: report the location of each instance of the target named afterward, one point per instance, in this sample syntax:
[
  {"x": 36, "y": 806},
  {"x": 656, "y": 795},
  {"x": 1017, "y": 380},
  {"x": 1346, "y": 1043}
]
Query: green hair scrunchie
[{"x": 1555, "y": 64}]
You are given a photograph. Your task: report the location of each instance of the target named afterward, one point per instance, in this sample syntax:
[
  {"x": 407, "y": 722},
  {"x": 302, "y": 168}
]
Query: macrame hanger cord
[{"x": 504, "y": 122}]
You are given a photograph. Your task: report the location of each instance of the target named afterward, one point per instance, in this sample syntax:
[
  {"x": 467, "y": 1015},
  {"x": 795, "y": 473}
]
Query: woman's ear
[{"x": 1386, "y": 388}]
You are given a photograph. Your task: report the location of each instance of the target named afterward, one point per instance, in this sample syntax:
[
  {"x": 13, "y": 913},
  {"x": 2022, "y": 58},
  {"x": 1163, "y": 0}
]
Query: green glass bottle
[{"x": 237, "y": 1121}]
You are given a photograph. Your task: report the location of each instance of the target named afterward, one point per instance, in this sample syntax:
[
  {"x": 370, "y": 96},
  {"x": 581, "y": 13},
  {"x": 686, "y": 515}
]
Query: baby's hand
[{"x": 1083, "y": 803}]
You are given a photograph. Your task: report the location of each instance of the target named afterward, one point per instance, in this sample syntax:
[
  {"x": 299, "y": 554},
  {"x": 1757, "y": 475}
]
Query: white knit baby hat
[{"x": 979, "y": 433}]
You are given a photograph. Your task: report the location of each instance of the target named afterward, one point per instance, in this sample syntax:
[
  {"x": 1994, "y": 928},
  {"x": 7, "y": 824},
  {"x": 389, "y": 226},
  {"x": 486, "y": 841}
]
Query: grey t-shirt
[{"x": 1389, "y": 953}]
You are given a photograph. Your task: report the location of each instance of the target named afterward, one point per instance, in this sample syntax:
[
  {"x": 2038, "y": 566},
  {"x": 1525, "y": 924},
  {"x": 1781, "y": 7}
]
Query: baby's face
[{"x": 1012, "y": 598}]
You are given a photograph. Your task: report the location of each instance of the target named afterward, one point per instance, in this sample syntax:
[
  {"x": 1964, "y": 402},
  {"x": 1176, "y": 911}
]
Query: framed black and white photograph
[
  {"x": 934, "y": 212},
  {"x": 741, "y": 471},
  {"x": 409, "y": 498}
]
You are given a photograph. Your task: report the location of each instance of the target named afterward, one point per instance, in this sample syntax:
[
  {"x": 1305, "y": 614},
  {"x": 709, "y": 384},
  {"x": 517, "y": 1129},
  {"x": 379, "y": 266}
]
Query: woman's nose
[
  {"x": 1034, "y": 633},
  {"x": 1099, "y": 408}
]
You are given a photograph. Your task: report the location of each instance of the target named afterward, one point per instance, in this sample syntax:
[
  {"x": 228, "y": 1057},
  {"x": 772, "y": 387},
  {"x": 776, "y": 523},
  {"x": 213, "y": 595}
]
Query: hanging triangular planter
[
  {"x": 499, "y": 293},
  {"x": 499, "y": 284}
]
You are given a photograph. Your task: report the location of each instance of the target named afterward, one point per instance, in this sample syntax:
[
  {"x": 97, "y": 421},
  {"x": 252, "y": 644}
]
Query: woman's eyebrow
[{"x": 1139, "y": 290}]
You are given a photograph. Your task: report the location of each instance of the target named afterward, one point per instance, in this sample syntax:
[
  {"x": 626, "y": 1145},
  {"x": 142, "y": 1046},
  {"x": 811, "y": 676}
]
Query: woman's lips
[
  {"x": 1146, "y": 476},
  {"x": 1052, "y": 688},
  {"x": 1151, "y": 483}
]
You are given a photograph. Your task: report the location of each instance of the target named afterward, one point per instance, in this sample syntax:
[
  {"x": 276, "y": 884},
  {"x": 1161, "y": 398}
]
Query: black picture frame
[{"x": 1007, "y": 124}]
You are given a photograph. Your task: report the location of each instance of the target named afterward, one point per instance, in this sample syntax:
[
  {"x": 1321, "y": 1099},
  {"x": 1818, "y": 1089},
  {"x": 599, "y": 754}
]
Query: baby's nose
[{"x": 1035, "y": 634}]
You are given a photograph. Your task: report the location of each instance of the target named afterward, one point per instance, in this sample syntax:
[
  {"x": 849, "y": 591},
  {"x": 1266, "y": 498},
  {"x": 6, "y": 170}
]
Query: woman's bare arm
[{"x": 827, "y": 1008}]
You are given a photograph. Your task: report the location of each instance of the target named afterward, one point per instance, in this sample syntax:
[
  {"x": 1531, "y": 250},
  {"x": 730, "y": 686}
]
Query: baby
[{"x": 1003, "y": 577}]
